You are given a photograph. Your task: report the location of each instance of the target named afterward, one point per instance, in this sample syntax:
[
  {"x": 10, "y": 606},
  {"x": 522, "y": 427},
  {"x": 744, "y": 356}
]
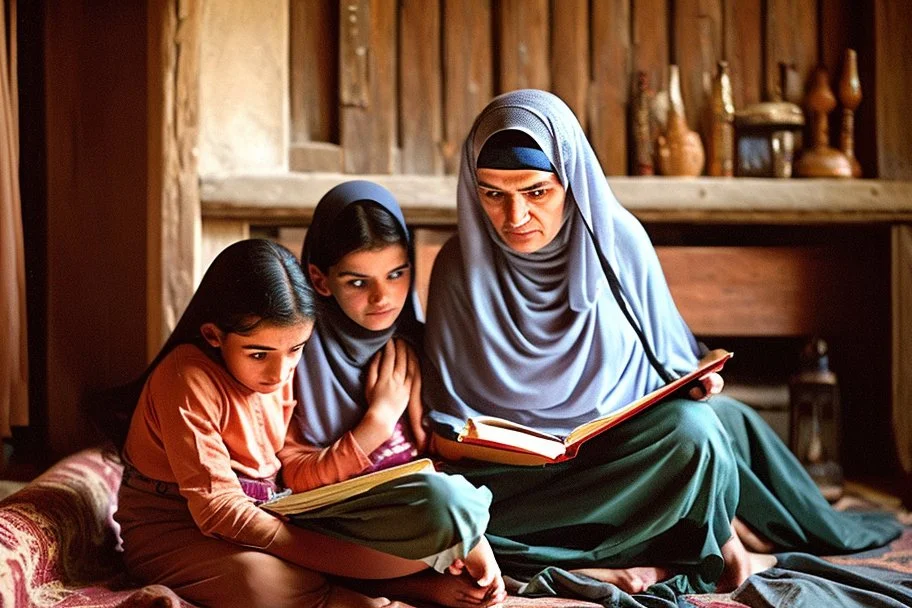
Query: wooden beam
[
  {"x": 174, "y": 214},
  {"x": 420, "y": 91},
  {"x": 523, "y": 48},
  {"x": 570, "y": 55},
  {"x": 290, "y": 198},
  {"x": 902, "y": 343},
  {"x": 611, "y": 84}
]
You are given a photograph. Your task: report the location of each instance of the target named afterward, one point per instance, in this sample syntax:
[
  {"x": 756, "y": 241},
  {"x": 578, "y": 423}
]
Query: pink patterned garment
[
  {"x": 398, "y": 449},
  {"x": 59, "y": 545}
]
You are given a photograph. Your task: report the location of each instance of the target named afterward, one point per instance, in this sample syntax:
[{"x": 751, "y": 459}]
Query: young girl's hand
[{"x": 390, "y": 377}]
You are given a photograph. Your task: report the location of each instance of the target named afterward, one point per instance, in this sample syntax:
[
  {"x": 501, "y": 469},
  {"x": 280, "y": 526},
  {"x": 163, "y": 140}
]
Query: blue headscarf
[
  {"x": 539, "y": 338},
  {"x": 330, "y": 378}
]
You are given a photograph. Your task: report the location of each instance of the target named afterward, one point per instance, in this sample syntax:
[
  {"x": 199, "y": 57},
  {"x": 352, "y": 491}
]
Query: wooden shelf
[{"x": 289, "y": 198}]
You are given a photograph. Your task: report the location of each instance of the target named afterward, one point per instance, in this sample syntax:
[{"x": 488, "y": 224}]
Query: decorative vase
[
  {"x": 722, "y": 129},
  {"x": 820, "y": 159},
  {"x": 850, "y": 96},
  {"x": 680, "y": 149}
]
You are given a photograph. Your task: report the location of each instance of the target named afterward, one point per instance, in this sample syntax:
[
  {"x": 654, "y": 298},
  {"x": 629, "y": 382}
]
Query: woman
[{"x": 550, "y": 308}]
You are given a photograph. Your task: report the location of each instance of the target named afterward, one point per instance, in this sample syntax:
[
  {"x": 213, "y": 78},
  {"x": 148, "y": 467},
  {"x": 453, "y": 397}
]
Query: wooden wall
[{"x": 380, "y": 86}]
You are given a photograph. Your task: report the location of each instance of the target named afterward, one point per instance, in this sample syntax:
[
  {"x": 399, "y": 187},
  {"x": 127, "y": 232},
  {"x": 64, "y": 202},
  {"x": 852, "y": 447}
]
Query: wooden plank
[
  {"x": 174, "y": 198},
  {"x": 428, "y": 242},
  {"x": 610, "y": 88},
  {"x": 792, "y": 38},
  {"x": 421, "y": 110},
  {"x": 523, "y": 45},
  {"x": 754, "y": 291},
  {"x": 315, "y": 156},
  {"x": 570, "y": 55},
  {"x": 314, "y": 71},
  {"x": 893, "y": 50},
  {"x": 834, "y": 35},
  {"x": 290, "y": 198},
  {"x": 901, "y": 240},
  {"x": 368, "y": 85},
  {"x": 650, "y": 41},
  {"x": 218, "y": 234},
  {"x": 697, "y": 49},
  {"x": 467, "y": 69},
  {"x": 743, "y": 49},
  {"x": 243, "y": 81}
]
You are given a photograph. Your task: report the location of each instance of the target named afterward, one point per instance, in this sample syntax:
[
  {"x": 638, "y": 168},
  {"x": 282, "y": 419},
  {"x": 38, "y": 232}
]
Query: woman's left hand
[{"x": 710, "y": 384}]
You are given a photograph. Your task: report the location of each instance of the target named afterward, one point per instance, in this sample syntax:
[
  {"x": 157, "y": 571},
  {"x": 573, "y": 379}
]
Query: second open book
[{"x": 493, "y": 439}]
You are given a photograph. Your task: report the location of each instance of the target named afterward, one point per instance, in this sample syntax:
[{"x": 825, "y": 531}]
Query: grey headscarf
[
  {"x": 329, "y": 380},
  {"x": 539, "y": 338}
]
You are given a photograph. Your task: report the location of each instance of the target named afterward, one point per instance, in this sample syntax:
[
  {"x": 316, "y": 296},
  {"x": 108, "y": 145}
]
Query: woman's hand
[{"x": 710, "y": 384}]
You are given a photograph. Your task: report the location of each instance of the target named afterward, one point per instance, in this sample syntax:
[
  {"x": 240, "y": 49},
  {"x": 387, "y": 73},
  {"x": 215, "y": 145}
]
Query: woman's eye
[
  {"x": 357, "y": 283},
  {"x": 258, "y": 356},
  {"x": 492, "y": 195},
  {"x": 536, "y": 194},
  {"x": 396, "y": 274}
]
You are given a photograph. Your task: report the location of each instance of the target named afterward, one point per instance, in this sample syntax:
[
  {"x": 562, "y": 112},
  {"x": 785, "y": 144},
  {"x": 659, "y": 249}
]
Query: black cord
[{"x": 615, "y": 285}]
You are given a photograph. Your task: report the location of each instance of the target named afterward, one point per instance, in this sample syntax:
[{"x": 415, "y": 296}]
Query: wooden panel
[
  {"x": 368, "y": 85},
  {"x": 791, "y": 37},
  {"x": 650, "y": 41},
  {"x": 315, "y": 156},
  {"x": 834, "y": 36},
  {"x": 902, "y": 343},
  {"x": 610, "y": 88},
  {"x": 218, "y": 234},
  {"x": 755, "y": 291},
  {"x": 314, "y": 70},
  {"x": 570, "y": 54},
  {"x": 893, "y": 48},
  {"x": 522, "y": 26},
  {"x": 428, "y": 242},
  {"x": 174, "y": 199},
  {"x": 744, "y": 50},
  {"x": 243, "y": 99},
  {"x": 467, "y": 71},
  {"x": 420, "y": 115},
  {"x": 697, "y": 47},
  {"x": 96, "y": 97}
]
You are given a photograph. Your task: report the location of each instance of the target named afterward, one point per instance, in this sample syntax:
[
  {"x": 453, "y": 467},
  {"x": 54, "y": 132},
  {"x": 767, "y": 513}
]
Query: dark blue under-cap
[{"x": 513, "y": 149}]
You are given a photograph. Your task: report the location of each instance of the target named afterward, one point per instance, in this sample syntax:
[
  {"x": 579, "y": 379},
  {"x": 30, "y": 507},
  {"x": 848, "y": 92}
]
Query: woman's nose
[
  {"x": 377, "y": 294},
  {"x": 517, "y": 210}
]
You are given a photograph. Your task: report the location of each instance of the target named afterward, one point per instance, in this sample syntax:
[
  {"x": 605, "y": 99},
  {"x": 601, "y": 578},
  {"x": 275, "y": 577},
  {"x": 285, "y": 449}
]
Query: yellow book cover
[
  {"x": 494, "y": 439},
  {"x": 309, "y": 500}
]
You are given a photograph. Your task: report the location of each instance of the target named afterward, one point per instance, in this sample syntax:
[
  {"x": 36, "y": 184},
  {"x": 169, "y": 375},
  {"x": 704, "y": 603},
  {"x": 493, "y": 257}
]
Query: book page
[
  {"x": 336, "y": 492},
  {"x": 490, "y": 430}
]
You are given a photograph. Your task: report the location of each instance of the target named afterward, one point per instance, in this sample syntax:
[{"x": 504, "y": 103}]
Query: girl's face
[
  {"x": 370, "y": 285},
  {"x": 264, "y": 359}
]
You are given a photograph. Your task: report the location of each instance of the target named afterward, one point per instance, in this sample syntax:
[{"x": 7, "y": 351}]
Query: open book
[
  {"x": 495, "y": 439},
  {"x": 337, "y": 492}
]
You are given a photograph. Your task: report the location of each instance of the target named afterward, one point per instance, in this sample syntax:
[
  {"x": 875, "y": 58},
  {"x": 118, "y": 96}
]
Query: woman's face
[
  {"x": 370, "y": 285},
  {"x": 264, "y": 359},
  {"x": 525, "y": 206}
]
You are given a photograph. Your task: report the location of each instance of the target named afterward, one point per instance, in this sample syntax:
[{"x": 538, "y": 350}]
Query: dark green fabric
[
  {"x": 660, "y": 489},
  {"x": 805, "y": 581},
  {"x": 779, "y": 499},
  {"x": 414, "y": 517}
]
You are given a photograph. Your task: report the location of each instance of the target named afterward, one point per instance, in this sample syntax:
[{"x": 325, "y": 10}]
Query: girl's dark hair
[
  {"x": 361, "y": 225},
  {"x": 251, "y": 282}
]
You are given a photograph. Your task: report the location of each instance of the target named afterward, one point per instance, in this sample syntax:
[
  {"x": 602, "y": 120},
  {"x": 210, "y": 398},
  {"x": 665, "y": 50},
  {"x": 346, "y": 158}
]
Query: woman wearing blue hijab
[{"x": 549, "y": 308}]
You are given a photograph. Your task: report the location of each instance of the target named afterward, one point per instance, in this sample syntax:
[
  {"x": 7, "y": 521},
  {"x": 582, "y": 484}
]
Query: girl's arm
[{"x": 305, "y": 466}]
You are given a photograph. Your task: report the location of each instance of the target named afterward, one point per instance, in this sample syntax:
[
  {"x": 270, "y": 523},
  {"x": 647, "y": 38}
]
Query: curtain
[{"x": 13, "y": 335}]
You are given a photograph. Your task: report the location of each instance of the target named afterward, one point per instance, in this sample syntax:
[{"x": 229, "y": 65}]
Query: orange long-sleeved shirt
[{"x": 196, "y": 425}]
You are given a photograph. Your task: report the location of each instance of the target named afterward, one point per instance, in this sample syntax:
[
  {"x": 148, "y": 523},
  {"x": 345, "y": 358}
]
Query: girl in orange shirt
[{"x": 202, "y": 447}]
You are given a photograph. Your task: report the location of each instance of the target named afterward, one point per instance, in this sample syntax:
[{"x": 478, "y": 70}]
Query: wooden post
[
  {"x": 173, "y": 202},
  {"x": 611, "y": 84}
]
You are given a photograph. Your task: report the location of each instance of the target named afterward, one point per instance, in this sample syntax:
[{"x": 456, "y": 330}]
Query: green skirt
[
  {"x": 434, "y": 518},
  {"x": 780, "y": 500},
  {"x": 659, "y": 490}
]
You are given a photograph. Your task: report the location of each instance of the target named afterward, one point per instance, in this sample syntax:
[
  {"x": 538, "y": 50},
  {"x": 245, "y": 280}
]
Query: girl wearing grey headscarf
[
  {"x": 434, "y": 518},
  {"x": 541, "y": 339}
]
